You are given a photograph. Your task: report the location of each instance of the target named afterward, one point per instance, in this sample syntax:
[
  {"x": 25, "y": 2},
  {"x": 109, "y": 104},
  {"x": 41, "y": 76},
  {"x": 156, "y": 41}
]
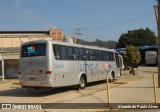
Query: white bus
[
  {"x": 55, "y": 64},
  {"x": 151, "y": 57}
]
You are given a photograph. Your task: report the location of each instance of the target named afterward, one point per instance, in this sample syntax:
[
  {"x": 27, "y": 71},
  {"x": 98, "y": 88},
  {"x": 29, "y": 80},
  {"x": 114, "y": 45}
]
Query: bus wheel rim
[{"x": 82, "y": 83}]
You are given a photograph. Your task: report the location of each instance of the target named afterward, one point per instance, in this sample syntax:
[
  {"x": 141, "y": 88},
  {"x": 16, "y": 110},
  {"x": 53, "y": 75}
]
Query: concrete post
[{"x": 2, "y": 69}]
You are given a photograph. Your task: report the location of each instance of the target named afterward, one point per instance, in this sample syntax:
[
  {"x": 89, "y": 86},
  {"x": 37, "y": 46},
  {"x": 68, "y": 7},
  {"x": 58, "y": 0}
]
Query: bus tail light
[{"x": 48, "y": 72}]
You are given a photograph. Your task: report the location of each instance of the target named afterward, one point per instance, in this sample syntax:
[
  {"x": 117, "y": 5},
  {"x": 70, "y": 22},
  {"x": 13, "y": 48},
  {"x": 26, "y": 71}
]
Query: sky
[{"x": 98, "y": 19}]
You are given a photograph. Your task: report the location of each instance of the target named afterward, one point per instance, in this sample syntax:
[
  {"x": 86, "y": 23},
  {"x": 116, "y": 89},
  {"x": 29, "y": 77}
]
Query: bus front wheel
[{"x": 82, "y": 82}]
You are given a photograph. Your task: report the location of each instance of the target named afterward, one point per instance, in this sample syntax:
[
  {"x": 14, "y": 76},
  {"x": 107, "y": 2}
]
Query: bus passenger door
[
  {"x": 92, "y": 65},
  {"x": 117, "y": 64},
  {"x": 90, "y": 71},
  {"x": 88, "y": 66}
]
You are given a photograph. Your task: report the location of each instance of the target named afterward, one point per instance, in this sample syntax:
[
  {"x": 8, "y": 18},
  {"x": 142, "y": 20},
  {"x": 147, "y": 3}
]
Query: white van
[{"x": 150, "y": 57}]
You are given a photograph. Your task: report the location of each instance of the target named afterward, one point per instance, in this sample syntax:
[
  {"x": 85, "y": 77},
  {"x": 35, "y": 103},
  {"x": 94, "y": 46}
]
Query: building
[
  {"x": 56, "y": 34},
  {"x": 10, "y": 42}
]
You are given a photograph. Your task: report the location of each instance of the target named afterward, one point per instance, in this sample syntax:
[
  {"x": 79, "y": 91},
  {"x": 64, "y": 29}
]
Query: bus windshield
[{"x": 31, "y": 50}]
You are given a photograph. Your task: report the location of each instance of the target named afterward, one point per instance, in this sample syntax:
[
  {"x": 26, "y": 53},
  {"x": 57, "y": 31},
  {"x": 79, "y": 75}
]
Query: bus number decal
[
  {"x": 59, "y": 66},
  {"x": 94, "y": 66}
]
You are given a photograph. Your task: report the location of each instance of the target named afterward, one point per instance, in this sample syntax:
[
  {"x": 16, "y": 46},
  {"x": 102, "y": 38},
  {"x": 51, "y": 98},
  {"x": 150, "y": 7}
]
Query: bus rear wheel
[
  {"x": 112, "y": 77},
  {"x": 82, "y": 82}
]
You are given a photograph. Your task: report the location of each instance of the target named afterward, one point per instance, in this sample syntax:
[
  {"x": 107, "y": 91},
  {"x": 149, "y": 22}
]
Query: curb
[
  {"x": 15, "y": 83},
  {"x": 5, "y": 84}
]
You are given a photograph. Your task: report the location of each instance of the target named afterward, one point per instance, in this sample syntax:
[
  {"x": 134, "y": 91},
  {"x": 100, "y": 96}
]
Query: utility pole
[
  {"x": 77, "y": 31},
  {"x": 158, "y": 43},
  {"x": 155, "y": 11}
]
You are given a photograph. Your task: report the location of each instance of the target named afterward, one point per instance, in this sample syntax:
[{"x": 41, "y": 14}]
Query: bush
[{"x": 132, "y": 57}]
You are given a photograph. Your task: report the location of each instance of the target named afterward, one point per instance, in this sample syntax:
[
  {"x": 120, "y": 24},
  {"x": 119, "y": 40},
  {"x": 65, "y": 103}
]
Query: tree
[
  {"x": 139, "y": 37},
  {"x": 132, "y": 57},
  {"x": 106, "y": 44}
]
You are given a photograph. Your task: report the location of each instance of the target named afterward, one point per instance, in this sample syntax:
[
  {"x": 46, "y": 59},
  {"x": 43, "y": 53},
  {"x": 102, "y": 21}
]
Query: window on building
[
  {"x": 54, "y": 37},
  {"x": 54, "y": 33},
  {"x": 59, "y": 33},
  {"x": 59, "y": 37}
]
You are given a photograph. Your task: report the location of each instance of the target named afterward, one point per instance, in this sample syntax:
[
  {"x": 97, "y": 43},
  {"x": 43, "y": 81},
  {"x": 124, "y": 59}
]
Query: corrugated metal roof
[
  {"x": 148, "y": 47},
  {"x": 142, "y": 48},
  {"x": 21, "y": 32}
]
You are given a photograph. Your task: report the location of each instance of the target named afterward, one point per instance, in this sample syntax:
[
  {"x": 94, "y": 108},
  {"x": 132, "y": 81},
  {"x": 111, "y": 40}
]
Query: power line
[{"x": 123, "y": 22}]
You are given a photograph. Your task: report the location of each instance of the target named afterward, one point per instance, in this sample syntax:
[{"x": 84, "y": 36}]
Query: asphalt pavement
[{"x": 140, "y": 90}]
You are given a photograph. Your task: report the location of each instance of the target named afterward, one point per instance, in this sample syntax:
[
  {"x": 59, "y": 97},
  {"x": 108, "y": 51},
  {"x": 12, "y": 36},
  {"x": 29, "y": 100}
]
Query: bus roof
[{"x": 68, "y": 44}]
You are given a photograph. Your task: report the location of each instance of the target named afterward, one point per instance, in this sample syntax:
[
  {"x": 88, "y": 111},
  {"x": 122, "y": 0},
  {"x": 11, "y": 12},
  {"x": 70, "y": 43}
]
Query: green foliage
[
  {"x": 139, "y": 37},
  {"x": 132, "y": 56},
  {"x": 106, "y": 44}
]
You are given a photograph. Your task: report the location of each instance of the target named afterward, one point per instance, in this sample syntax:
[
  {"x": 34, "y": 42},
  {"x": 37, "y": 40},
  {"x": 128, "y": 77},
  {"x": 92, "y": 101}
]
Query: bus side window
[
  {"x": 117, "y": 60},
  {"x": 111, "y": 56},
  {"x": 70, "y": 53},
  {"x": 87, "y": 53},
  {"x": 56, "y": 52},
  {"x": 82, "y": 54},
  {"x": 101, "y": 55},
  {"x": 93, "y": 54},
  {"x": 76, "y": 53},
  {"x": 97, "y": 55},
  {"x": 104, "y": 56},
  {"x": 107, "y": 55},
  {"x": 63, "y": 52}
]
